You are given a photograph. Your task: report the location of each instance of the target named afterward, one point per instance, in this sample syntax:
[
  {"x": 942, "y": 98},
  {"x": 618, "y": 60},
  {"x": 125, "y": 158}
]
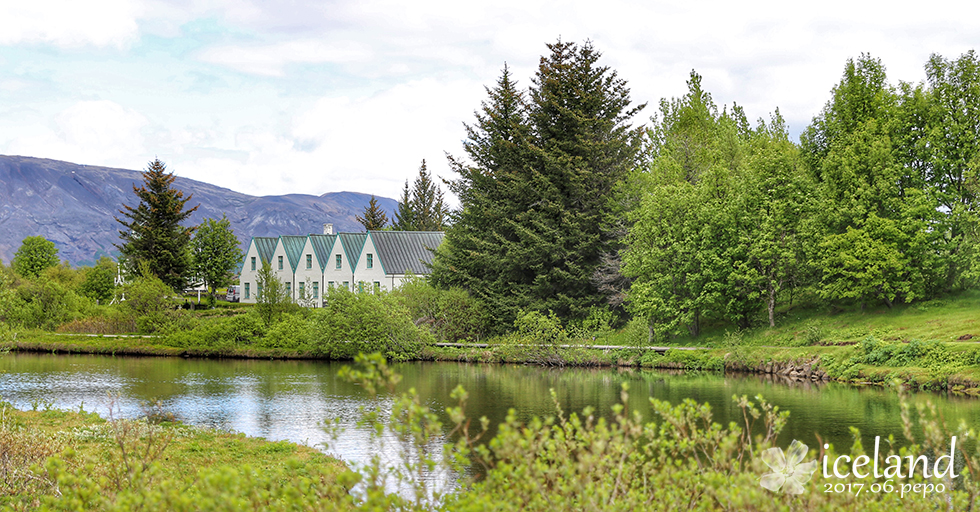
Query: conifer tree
[
  {"x": 422, "y": 208},
  {"x": 153, "y": 232},
  {"x": 405, "y": 215},
  {"x": 374, "y": 217},
  {"x": 542, "y": 181}
]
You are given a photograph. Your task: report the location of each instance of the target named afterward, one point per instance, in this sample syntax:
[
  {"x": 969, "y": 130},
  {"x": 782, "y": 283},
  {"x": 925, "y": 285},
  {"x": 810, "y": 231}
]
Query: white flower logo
[{"x": 787, "y": 472}]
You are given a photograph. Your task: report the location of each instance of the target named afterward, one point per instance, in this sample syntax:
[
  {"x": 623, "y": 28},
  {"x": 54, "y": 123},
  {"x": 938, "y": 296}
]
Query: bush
[
  {"x": 150, "y": 302},
  {"x": 450, "y": 315},
  {"x": 350, "y": 323},
  {"x": 44, "y": 304}
]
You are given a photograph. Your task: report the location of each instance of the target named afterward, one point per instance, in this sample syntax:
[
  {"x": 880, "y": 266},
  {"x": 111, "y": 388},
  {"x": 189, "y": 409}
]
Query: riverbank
[
  {"x": 77, "y": 460},
  {"x": 929, "y": 345}
]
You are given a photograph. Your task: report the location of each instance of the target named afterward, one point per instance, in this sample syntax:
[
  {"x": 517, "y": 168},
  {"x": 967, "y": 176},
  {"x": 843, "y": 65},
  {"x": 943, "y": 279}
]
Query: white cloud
[
  {"x": 88, "y": 132},
  {"x": 269, "y": 60},
  {"x": 70, "y": 23},
  {"x": 361, "y": 91}
]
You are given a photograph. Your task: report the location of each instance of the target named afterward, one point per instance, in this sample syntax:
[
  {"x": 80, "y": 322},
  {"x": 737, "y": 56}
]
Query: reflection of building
[{"x": 359, "y": 262}]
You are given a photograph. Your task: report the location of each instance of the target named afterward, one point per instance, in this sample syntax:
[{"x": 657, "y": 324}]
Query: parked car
[{"x": 234, "y": 293}]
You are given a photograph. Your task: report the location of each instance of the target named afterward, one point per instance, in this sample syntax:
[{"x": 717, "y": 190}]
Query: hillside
[{"x": 75, "y": 207}]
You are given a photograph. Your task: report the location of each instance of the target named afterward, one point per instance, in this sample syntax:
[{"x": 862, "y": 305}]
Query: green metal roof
[
  {"x": 353, "y": 243},
  {"x": 264, "y": 246},
  {"x": 403, "y": 252},
  {"x": 293, "y": 245},
  {"x": 322, "y": 245}
]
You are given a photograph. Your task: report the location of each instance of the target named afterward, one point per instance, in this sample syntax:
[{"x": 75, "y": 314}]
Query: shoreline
[{"x": 801, "y": 364}]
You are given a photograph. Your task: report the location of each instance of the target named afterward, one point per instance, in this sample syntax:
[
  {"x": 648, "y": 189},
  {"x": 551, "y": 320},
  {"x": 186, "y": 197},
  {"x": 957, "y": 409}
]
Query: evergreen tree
[
  {"x": 547, "y": 174},
  {"x": 405, "y": 215},
  {"x": 374, "y": 217},
  {"x": 153, "y": 232},
  {"x": 422, "y": 208}
]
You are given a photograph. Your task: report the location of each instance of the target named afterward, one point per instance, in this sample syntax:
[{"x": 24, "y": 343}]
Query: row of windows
[
  {"x": 315, "y": 288},
  {"x": 309, "y": 261}
]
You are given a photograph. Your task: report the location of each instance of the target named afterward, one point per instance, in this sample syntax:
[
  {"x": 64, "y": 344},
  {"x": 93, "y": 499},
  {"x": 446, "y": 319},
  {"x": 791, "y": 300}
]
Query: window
[
  {"x": 280, "y": 263},
  {"x": 247, "y": 294},
  {"x": 316, "y": 290},
  {"x": 330, "y": 285},
  {"x": 347, "y": 285},
  {"x": 370, "y": 260},
  {"x": 253, "y": 262},
  {"x": 377, "y": 287},
  {"x": 258, "y": 293},
  {"x": 302, "y": 290},
  {"x": 338, "y": 261},
  {"x": 309, "y": 261},
  {"x": 289, "y": 289},
  {"x": 360, "y": 287}
]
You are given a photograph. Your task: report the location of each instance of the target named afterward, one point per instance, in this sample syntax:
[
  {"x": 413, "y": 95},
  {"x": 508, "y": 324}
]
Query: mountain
[{"x": 75, "y": 207}]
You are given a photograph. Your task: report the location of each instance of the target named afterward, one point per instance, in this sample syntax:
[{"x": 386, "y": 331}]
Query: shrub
[
  {"x": 44, "y": 304},
  {"x": 151, "y": 303},
  {"x": 350, "y": 323},
  {"x": 450, "y": 315}
]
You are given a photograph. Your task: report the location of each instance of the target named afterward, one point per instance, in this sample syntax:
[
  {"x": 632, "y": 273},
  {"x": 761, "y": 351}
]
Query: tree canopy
[
  {"x": 153, "y": 232},
  {"x": 34, "y": 255},
  {"x": 216, "y": 254}
]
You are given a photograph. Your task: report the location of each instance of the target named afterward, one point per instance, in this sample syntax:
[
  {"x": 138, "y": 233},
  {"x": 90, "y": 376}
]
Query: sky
[{"x": 314, "y": 96}]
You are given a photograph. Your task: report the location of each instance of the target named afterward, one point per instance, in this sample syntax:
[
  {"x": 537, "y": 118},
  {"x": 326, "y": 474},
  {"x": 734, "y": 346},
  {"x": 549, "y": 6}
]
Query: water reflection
[{"x": 290, "y": 399}]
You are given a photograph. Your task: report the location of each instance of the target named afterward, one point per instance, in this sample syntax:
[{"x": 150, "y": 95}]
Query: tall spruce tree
[
  {"x": 543, "y": 175},
  {"x": 153, "y": 232},
  {"x": 422, "y": 208},
  {"x": 374, "y": 217}
]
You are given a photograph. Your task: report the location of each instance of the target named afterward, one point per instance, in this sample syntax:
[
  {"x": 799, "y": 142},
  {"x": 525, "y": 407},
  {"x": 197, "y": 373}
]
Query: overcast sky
[{"x": 304, "y": 96}]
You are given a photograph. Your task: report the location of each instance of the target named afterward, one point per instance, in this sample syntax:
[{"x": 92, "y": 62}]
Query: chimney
[{"x": 328, "y": 229}]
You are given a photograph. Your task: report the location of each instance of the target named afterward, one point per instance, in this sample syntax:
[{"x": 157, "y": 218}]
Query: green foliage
[
  {"x": 532, "y": 231},
  {"x": 152, "y": 230},
  {"x": 374, "y": 217},
  {"x": 34, "y": 255},
  {"x": 100, "y": 281},
  {"x": 450, "y": 315},
  {"x": 272, "y": 299},
  {"x": 719, "y": 226},
  {"x": 150, "y": 301},
  {"x": 216, "y": 255},
  {"x": 349, "y": 323},
  {"x": 422, "y": 208},
  {"x": 43, "y": 304},
  {"x": 540, "y": 328}
]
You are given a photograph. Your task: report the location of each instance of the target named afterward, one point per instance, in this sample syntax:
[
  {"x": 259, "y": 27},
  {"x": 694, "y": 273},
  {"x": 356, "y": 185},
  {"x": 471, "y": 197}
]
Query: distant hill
[{"x": 75, "y": 207}]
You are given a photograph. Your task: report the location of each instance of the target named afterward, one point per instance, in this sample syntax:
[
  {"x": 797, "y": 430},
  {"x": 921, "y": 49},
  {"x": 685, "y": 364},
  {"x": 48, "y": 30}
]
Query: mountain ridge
[{"x": 75, "y": 206}]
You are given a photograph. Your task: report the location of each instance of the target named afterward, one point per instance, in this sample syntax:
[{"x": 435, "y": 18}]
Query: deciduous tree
[
  {"x": 216, "y": 254},
  {"x": 34, "y": 255}
]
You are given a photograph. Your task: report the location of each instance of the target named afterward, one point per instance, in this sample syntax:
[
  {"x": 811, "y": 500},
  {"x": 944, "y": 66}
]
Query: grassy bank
[
  {"x": 933, "y": 344},
  {"x": 79, "y": 461}
]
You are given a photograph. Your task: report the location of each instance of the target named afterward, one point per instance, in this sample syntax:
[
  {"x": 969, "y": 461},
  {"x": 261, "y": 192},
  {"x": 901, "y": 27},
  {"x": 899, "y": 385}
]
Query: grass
[{"x": 131, "y": 452}]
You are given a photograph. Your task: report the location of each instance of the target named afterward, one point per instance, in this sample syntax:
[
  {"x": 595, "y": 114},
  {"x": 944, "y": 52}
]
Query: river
[{"x": 289, "y": 400}]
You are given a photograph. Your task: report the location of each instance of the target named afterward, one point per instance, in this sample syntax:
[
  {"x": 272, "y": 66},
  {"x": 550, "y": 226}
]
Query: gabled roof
[
  {"x": 265, "y": 246},
  {"x": 353, "y": 243},
  {"x": 403, "y": 252},
  {"x": 322, "y": 245},
  {"x": 293, "y": 245}
]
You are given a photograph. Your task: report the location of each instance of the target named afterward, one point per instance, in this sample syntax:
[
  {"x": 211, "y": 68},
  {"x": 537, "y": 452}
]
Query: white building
[{"x": 360, "y": 262}]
